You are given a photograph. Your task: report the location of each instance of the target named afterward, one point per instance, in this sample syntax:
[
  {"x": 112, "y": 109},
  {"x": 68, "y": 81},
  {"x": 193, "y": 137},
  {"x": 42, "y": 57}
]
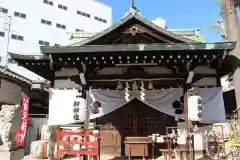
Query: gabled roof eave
[
  {"x": 139, "y": 47},
  {"x": 141, "y": 19},
  {"x": 106, "y": 31},
  {"x": 28, "y": 57},
  {"x": 8, "y": 72},
  {"x": 164, "y": 31}
]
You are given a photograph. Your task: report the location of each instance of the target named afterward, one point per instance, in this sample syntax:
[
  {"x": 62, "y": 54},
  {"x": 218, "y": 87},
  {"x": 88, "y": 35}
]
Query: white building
[{"x": 48, "y": 22}]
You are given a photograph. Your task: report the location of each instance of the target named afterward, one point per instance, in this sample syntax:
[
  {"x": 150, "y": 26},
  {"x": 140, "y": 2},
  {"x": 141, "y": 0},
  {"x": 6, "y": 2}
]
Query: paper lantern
[
  {"x": 195, "y": 108},
  {"x": 77, "y": 104}
]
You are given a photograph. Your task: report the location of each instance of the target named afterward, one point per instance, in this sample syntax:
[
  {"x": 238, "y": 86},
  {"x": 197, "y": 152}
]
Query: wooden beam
[
  {"x": 118, "y": 39},
  {"x": 202, "y": 48},
  {"x": 145, "y": 76},
  {"x": 198, "y": 77},
  {"x": 190, "y": 77},
  {"x": 156, "y": 84}
]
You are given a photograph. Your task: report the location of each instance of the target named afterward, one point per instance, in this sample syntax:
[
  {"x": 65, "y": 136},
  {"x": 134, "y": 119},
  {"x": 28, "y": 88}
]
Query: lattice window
[
  {"x": 128, "y": 123},
  {"x": 142, "y": 124}
]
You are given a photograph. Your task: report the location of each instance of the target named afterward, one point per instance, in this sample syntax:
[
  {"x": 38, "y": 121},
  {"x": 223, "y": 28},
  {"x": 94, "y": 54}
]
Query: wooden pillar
[
  {"x": 188, "y": 123},
  {"x": 185, "y": 105},
  {"x": 52, "y": 78},
  {"x": 87, "y": 118}
]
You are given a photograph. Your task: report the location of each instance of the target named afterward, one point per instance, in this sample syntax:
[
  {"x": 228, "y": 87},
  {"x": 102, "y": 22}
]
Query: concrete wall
[{"x": 11, "y": 92}]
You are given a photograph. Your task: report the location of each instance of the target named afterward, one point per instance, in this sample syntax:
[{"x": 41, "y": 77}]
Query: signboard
[
  {"x": 66, "y": 106},
  {"x": 195, "y": 108},
  {"x": 24, "y": 120}
]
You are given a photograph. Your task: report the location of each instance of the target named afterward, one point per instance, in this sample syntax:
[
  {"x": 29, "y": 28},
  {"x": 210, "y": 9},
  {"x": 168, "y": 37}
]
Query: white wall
[{"x": 33, "y": 30}]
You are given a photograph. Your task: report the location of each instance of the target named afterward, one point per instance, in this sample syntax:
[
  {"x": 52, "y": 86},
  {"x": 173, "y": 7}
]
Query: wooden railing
[{"x": 90, "y": 142}]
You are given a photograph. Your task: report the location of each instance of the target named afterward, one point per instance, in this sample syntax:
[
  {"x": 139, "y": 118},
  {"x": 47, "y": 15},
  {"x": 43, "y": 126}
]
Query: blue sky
[{"x": 179, "y": 14}]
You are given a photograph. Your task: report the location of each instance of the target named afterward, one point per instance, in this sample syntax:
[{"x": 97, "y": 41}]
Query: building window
[
  {"x": 21, "y": 15},
  {"x": 43, "y": 21},
  {"x": 3, "y": 10},
  {"x": 60, "y": 26},
  {"x": 43, "y": 43},
  {"x": 62, "y": 7},
  {"x": 17, "y": 37},
  {"x": 2, "y": 34},
  {"x": 48, "y": 2},
  {"x": 83, "y": 14},
  {"x": 79, "y": 30},
  {"x": 100, "y": 19}
]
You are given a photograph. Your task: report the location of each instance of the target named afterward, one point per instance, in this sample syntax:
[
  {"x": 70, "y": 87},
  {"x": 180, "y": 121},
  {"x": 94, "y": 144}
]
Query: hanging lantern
[{"x": 195, "y": 108}]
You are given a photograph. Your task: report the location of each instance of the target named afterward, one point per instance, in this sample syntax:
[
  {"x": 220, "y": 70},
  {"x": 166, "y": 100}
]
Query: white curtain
[
  {"x": 213, "y": 105},
  {"x": 161, "y": 100},
  {"x": 61, "y": 103}
]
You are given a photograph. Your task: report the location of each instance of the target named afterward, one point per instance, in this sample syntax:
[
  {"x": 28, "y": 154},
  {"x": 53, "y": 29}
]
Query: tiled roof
[
  {"x": 192, "y": 34},
  {"x": 9, "y": 72}
]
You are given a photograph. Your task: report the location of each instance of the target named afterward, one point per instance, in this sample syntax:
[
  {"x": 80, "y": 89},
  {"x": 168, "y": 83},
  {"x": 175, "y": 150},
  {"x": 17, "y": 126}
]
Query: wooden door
[{"x": 132, "y": 120}]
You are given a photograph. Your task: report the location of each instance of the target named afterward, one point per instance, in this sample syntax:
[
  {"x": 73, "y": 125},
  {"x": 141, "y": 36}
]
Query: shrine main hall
[{"x": 140, "y": 73}]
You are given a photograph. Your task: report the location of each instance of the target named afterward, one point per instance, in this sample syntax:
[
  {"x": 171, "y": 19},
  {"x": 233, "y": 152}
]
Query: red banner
[{"x": 24, "y": 120}]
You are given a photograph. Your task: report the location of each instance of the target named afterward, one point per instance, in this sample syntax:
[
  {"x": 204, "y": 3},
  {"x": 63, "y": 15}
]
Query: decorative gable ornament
[
  {"x": 178, "y": 105},
  {"x": 195, "y": 108}
]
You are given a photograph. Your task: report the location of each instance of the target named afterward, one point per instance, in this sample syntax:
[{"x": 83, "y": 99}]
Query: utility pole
[
  {"x": 8, "y": 23},
  {"x": 8, "y": 39}
]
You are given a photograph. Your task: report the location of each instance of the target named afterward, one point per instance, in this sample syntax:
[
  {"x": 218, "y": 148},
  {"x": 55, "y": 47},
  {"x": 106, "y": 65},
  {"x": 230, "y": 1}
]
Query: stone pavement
[
  {"x": 30, "y": 158},
  {"x": 103, "y": 157}
]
